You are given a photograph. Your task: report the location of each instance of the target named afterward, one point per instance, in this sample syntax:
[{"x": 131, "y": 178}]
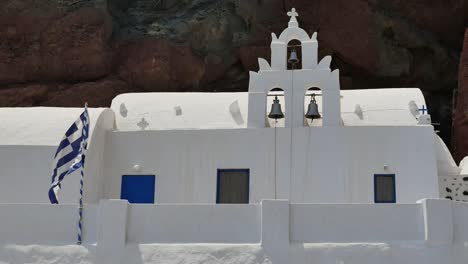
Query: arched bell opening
[
  {"x": 294, "y": 55},
  {"x": 276, "y": 105},
  {"x": 313, "y": 113}
]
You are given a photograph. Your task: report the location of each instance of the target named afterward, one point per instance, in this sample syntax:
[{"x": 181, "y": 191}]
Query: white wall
[
  {"x": 94, "y": 169},
  {"x": 346, "y": 223},
  {"x": 460, "y": 218},
  {"x": 185, "y": 162},
  {"x": 330, "y": 164},
  {"x": 194, "y": 223},
  {"x": 237, "y": 224},
  {"x": 26, "y": 170},
  {"x": 432, "y": 231},
  {"x": 341, "y": 163},
  {"x": 45, "y": 224}
]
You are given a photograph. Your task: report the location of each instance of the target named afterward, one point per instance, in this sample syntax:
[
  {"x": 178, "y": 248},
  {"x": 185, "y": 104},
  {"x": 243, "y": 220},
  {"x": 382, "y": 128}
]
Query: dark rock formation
[
  {"x": 54, "y": 46},
  {"x": 52, "y": 51},
  {"x": 157, "y": 66},
  {"x": 97, "y": 93},
  {"x": 460, "y": 117}
]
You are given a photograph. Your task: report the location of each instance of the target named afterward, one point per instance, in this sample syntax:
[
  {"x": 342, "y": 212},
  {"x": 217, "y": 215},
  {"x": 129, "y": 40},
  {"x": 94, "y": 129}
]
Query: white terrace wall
[
  {"x": 460, "y": 222},
  {"x": 275, "y": 225},
  {"x": 329, "y": 164},
  {"x": 194, "y": 224},
  {"x": 27, "y": 224},
  {"x": 441, "y": 221},
  {"x": 345, "y": 223}
]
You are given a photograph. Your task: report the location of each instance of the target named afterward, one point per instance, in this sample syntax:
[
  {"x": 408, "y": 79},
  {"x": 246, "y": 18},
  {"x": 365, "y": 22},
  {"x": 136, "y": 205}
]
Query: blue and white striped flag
[{"x": 70, "y": 155}]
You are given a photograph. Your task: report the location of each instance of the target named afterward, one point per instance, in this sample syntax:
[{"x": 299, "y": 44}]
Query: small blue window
[
  {"x": 384, "y": 188},
  {"x": 233, "y": 186},
  {"x": 138, "y": 188}
]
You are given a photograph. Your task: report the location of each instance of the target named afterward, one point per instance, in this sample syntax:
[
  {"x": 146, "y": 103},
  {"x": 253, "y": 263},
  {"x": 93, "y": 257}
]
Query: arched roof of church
[
  {"x": 44, "y": 126},
  {"x": 165, "y": 111}
]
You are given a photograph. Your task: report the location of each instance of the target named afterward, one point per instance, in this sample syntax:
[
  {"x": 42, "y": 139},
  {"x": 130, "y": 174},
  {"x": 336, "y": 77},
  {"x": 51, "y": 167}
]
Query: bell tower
[{"x": 294, "y": 82}]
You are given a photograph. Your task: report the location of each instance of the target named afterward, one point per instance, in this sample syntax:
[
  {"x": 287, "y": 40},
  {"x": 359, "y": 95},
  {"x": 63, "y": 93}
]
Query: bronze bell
[
  {"x": 276, "y": 112},
  {"x": 293, "y": 59},
  {"x": 312, "y": 111}
]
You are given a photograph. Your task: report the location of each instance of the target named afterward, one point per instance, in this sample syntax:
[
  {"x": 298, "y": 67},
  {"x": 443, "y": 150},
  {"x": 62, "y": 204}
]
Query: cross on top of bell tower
[
  {"x": 293, "y": 21},
  {"x": 293, "y": 13}
]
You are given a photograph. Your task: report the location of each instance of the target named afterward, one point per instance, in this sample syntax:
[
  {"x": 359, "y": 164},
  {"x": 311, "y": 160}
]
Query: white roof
[
  {"x": 162, "y": 111},
  {"x": 381, "y": 107},
  {"x": 40, "y": 125},
  {"x": 179, "y": 110}
]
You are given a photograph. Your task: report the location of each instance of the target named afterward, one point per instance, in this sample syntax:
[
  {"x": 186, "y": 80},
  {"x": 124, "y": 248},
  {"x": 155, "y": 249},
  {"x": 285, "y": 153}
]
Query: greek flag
[{"x": 70, "y": 155}]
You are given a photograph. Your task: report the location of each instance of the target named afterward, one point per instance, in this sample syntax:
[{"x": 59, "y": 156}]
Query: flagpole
[{"x": 80, "y": 208}]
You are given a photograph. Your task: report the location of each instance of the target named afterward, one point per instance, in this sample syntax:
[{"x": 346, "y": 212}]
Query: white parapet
[
  {"x": 438, "y": 220},
  {"x": 431, "y": 231},
  {"x": 112, "y": 230}
]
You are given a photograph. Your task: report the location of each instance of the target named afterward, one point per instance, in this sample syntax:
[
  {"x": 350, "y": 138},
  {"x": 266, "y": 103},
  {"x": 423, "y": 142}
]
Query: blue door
[{"x": 138, "y": 188}]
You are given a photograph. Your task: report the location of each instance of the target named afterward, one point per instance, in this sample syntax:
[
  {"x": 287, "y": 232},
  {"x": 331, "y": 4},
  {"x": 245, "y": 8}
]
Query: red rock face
[
  {"x": 344, "y": 27},
  {"x": 351, "y": 31},
  {"x": 158, "y": 66},
  {"x": 28, "y": 95},
  {"x": 95, "y": 94},
  {"x": 75, "y": 47},
  {"x": 20, "y": 50},
  {"x": 448, "y": 19},
  {"x": 67, "y": 47},
  {"x": 460, "y": 118},
  {"x": 249, "y": 56}
]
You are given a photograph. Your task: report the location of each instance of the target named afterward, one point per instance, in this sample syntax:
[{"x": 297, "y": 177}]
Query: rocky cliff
[
  {"x": 460, "y": 116},
  {"x": 65, "y": 52}
]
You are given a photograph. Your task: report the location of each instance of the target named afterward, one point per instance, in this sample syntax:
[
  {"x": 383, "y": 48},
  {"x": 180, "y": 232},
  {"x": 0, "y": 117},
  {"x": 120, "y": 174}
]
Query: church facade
[
  {"x": 294, "y": 138},
  {"x": 183, "y": 143}
]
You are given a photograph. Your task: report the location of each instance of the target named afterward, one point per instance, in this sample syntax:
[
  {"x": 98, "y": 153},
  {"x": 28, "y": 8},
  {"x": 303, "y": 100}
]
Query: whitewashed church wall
[
  {"x": 346, "y": 223},
  {"x": 185, "y": 163},
  {"x": 338, "y": 167},
  {"x": 25, "y": 175},
  {"x": 194, "y": 223},
  {"x": 94, "y": 172},
  {"x": 26, "y": 170},
  {"x": 45, "y": 224},
  {"x": 343, "y": 161}
]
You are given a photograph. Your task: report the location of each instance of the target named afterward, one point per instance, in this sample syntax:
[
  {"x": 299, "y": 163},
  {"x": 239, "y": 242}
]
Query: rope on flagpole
[
  {"x": 84, "y": 146},
  {"x": 80, "y": 210}
]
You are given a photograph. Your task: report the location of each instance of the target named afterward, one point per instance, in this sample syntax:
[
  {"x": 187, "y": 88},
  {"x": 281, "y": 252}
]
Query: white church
[{"x": 293, "y": 171}]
